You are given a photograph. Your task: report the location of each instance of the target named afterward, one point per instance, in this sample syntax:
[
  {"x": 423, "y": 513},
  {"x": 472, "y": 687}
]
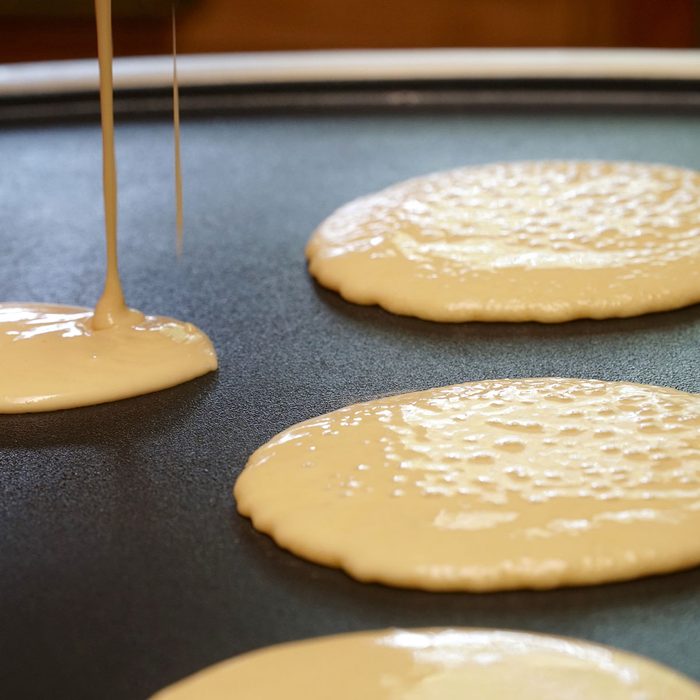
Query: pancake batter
[
  {"x": 438, "y": 664},
  {"x": 532, "y": 241},
  {"x": 56, "y": 357},
  {"x": 505, "y": 484}
]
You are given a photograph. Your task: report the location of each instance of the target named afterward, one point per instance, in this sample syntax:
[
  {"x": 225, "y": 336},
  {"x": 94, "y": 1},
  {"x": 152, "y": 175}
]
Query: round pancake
[
  {"x": 436, "y": 664},
  {"x": 503, "y": 484},
  {"x": 542, "y": 241}
]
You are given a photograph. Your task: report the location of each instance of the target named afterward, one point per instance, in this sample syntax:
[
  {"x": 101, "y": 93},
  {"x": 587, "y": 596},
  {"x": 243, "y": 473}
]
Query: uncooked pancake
[
  {"x": 437, "y": 664},
  {"x": 532, "y": 241},
  {"x": 52, "y": 357},
  {"x": 527, "y": 483}
]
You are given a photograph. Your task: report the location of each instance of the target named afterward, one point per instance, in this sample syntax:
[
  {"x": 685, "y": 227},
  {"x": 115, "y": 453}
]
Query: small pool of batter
[
  {"x": 436, "y": 664},
  {"x": 55, "y": 357}
]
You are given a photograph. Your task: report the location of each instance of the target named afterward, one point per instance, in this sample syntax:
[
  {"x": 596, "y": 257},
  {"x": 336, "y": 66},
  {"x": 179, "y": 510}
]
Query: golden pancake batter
[
  {"x": 532, "y": 241},
  {"x": 437, "y": 664},
  {"x": 504, "y": 484},
  {"x": 56, "y": 357}
]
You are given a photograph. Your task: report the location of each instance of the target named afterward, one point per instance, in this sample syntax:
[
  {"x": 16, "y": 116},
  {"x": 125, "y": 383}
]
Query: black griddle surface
[{"x": 123, "y": 565}]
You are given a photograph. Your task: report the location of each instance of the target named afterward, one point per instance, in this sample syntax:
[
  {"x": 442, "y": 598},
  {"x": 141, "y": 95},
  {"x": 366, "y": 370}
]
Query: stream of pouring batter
[
  {"x": 110, "y": 308},
  {"x": 55, "y": 357}
]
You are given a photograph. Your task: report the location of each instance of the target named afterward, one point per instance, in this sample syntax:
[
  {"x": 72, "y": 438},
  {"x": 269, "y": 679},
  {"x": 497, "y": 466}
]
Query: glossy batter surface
[
  {"x": 531, "y": 241},
  {"x": 530, "y": 483},
  {"x": 52, "y": 357},
  {"x": 438, "y": 664}
]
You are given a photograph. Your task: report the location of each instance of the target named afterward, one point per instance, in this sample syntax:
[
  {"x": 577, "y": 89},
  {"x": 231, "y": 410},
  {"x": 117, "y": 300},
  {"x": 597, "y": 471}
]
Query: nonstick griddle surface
[{"x": 123, "y": 565}]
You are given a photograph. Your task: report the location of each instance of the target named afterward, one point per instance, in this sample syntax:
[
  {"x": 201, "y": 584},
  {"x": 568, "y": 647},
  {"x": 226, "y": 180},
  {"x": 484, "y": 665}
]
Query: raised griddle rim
[
  {"x": 289, "y": 67},
  {"x": 357, "y": 79},
  {"x": 508, "y": 93}
]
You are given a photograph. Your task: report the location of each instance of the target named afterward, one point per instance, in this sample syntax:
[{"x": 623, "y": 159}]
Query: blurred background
[{"x": 54, "y": 29}]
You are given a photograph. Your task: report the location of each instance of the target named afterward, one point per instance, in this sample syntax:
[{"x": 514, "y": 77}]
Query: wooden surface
[{"x": 268, "y": 25}]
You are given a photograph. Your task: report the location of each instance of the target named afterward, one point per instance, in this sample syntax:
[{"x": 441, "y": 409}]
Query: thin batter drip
[
  {"x": 179, "y": 216},
  {"x": 501, "y": 484},
  {"x": 55, "y": 357},
  {"x": 436, "y": 664}
]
